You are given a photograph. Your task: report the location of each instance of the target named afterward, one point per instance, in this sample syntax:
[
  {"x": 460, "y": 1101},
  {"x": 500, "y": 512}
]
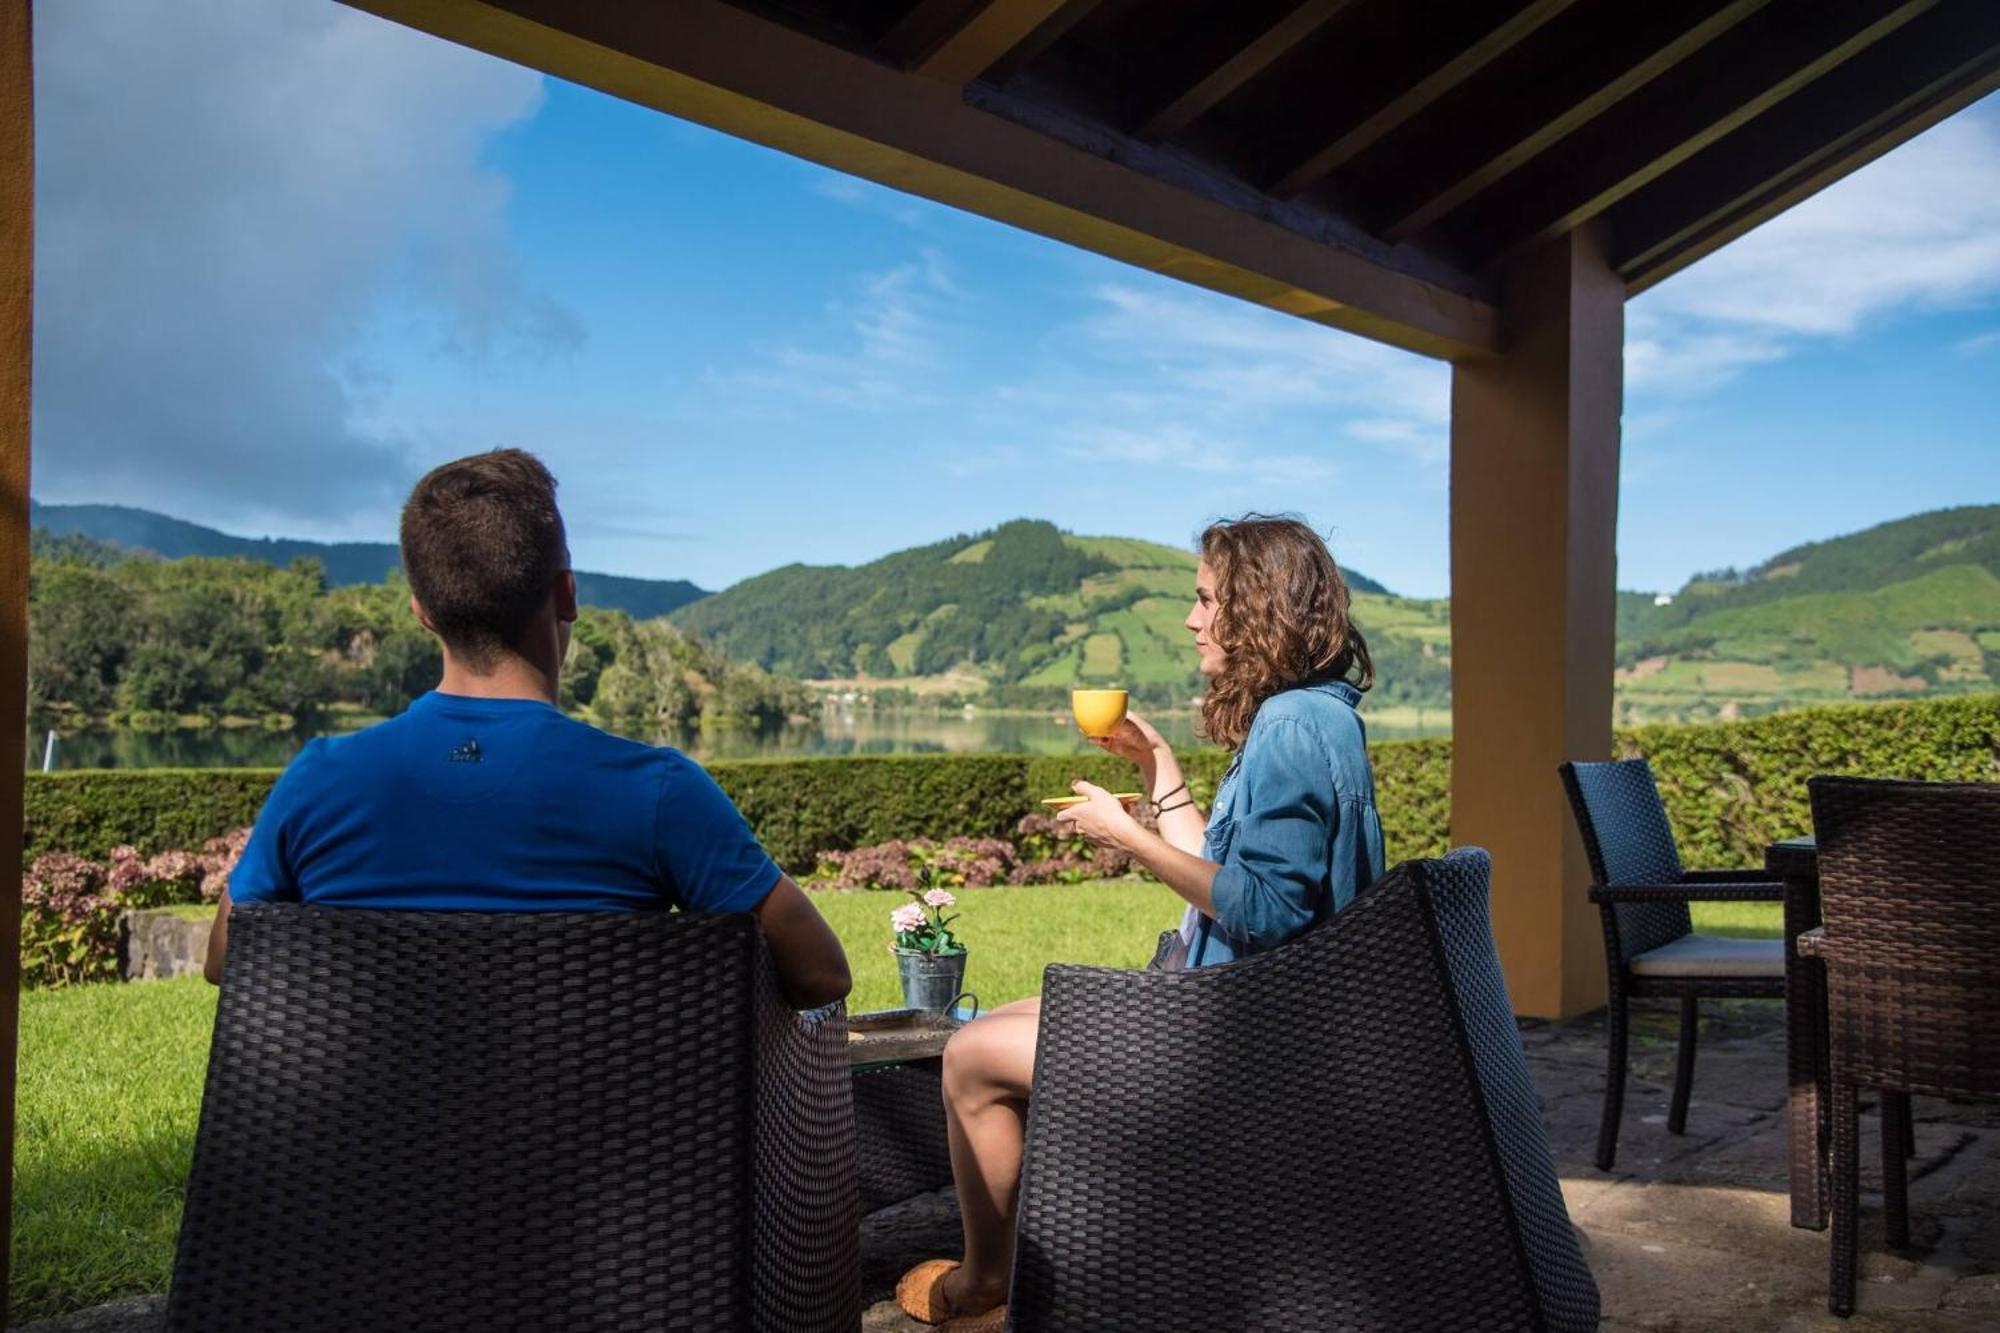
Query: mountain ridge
[{"x": 346, "y": 563}]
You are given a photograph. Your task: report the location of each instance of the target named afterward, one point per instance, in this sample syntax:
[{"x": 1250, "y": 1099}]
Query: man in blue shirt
[{"x": 483, "y": 796}]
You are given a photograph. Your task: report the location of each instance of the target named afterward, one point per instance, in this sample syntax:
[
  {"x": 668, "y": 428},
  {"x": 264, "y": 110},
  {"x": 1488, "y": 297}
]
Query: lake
[{"x": 836, "y": 732}]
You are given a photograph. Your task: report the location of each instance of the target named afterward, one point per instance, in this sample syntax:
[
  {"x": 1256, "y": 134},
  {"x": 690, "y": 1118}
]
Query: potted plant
[{"x": 929, "y": 957}]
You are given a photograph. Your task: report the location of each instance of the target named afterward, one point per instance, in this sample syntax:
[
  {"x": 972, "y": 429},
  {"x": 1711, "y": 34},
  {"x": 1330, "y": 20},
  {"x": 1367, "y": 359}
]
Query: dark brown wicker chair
[
  {"x": 1339, "y": 1134},
  {"x": 467, "y": 1121},
  {"x": 1650, "y": 948},
  {"x": 1909, "y": 881}
]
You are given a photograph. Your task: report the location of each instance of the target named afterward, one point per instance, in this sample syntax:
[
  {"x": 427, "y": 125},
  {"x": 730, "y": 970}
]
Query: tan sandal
[{"x": 920, "y": 1295}]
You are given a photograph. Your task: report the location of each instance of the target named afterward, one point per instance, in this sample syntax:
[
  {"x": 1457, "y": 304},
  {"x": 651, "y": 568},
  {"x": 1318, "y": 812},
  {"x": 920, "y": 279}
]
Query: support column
[
  {"x": 17, "y": 264},
  {"x": 1534, "y": 520}
]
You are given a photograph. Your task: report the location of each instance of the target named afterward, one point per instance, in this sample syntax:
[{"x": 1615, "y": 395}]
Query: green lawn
[
  {"x": 110, "y": 1083},
  {"x": 110, "y": 1080},
  {"x": 1750, "y": 921}
]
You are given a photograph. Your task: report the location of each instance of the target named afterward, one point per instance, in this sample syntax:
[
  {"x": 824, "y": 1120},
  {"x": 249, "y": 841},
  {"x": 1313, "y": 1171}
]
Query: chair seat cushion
[{"x": 1712, "y": 956}]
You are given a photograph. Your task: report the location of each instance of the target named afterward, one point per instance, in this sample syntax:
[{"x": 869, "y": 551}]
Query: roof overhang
[{"x": 1368, "y": 165}]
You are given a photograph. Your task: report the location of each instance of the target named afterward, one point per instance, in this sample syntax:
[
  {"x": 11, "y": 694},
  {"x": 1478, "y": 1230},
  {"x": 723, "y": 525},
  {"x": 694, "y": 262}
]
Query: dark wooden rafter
[
  {"x": 1728, "y": 84},
  {"x": 1326, "y": 160},
  {"x": 1946, "y": 61},
  {"x": 1254, "y": 36},
  {"x": 955, "y": 41},
  {"x": 1586, "y": 109},
  {"x": 1030, "y": 48}
]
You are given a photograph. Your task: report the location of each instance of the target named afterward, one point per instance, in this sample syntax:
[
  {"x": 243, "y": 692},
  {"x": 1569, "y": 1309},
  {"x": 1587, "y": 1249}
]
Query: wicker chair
[
  {"x": 449, "y": 1121},
  {"x": 1339, "y": 1134},
  {"x": 1650, "y": 948},
  {"x": 1909, "y": 879}
]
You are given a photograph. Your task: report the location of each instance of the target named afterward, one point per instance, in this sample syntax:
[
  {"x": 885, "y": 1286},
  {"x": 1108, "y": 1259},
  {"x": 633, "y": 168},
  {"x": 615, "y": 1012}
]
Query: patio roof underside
[{"x": 1369, "y": 164}]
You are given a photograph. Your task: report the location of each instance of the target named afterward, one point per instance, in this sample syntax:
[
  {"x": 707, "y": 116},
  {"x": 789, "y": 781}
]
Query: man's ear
[
  {"x": 417, "y": 610},
  {"x": 566, "y": 596}
]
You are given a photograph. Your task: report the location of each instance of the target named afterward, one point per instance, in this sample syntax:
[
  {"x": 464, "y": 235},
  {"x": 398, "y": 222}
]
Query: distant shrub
[{"x": 1730, "y": 787}]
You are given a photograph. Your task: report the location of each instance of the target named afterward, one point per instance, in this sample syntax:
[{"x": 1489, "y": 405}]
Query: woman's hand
[
  {"x": 1136, "y": 740},
  {"x": 1103, "y": 819}
]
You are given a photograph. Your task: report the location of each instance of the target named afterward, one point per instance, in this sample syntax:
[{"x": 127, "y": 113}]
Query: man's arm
[
  {"x": 218, "y": 942},
  {"x": 811, "y": 965}
]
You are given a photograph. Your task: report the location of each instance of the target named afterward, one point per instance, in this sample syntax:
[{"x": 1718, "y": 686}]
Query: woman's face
[{"x": 1201, "y": 617}]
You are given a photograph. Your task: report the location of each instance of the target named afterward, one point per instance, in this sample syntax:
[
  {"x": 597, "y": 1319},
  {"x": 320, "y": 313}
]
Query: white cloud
[
  {"x": 1978, "y": 344},
  {"x": 883, "y": 348},
  {"x": 1916, "y": 230},
  {"x": 225, "y": 191},
  {"x": 1218, "y": 373}
]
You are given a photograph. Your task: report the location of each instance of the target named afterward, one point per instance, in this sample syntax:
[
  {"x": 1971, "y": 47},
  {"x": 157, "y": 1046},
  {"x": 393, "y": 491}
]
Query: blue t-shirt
[{"x": 499, "y": 805}]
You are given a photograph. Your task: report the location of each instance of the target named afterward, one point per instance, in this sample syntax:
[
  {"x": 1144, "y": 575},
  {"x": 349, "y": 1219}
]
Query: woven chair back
[
  {"x": 475, "y": 1121},
  {"x": 1909, "y": 876},
  {"x": 1625, "y": 833},
  {"x": 1339, "y": 1134}
]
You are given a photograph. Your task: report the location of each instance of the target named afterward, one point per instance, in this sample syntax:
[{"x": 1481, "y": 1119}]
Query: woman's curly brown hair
[{"x": 1281, "y": 619}]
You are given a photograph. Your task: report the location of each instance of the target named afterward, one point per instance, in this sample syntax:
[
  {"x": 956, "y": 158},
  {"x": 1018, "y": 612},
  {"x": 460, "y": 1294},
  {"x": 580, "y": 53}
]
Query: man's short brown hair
[{"x": 482, "y": 544}]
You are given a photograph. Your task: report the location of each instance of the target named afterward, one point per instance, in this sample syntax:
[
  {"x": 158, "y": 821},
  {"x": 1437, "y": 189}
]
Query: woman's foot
[{"x": 937, "y": 1291}]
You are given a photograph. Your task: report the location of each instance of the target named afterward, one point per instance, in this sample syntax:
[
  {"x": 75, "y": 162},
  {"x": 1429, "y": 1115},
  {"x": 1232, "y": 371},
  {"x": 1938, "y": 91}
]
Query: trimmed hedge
[{"x": 1730, "y": 787}]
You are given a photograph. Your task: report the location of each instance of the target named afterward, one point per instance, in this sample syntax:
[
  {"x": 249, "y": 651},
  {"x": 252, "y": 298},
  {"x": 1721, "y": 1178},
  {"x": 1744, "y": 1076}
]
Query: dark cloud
[{"x": 228, "y": 193}]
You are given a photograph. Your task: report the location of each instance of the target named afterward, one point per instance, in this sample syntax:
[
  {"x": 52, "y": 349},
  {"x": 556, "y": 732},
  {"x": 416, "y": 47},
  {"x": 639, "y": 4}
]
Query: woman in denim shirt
[{"x": 1293, "y": 837}]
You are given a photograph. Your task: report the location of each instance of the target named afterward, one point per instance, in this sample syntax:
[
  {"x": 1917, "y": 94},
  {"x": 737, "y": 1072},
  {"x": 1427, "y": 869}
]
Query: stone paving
[
  {"x": 1689, "y": 1234},
  {"x": 1692, "y": 1233}
]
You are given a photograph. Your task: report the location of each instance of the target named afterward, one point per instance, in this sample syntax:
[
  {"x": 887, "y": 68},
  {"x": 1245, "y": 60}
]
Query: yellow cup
[{"x": 1097, "y": 712}]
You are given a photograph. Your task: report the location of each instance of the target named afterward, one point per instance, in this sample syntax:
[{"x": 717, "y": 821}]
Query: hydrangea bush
[
  {"x": 1041, "y": 851},
  {"x": 70, "y": 904}
]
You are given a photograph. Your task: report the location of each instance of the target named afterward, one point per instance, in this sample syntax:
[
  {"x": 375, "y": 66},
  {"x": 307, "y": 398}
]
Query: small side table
[{"x": 898, "y": 1061}]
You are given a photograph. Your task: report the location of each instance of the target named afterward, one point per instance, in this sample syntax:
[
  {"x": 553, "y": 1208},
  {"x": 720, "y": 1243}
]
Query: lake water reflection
[{"x": 835, "y": 733}]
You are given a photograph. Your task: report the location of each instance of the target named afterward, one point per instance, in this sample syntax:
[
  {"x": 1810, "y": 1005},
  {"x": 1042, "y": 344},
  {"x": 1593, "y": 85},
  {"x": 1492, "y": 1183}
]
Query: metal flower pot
[{"x": 931, "y": 981}]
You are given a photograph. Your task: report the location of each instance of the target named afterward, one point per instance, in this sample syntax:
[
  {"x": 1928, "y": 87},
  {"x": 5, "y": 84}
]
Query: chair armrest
[
  {"x": 1740, "y": 891},
  {"x": 1731, "y": 875},
  {"x": 805, "y": 1260},
  {"x": 1810, "y": 943}
]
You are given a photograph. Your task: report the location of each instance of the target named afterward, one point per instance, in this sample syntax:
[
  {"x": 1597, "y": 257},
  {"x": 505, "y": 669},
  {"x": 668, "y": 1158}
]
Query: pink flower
[
  {"x": 938, "y": 898},
  {"x": 908, "y": 917}
]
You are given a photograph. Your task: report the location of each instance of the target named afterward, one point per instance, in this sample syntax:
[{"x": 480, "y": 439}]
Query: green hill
[
  {"x": 346, "y": 563},
  {"x": 1020, "y": 614}
]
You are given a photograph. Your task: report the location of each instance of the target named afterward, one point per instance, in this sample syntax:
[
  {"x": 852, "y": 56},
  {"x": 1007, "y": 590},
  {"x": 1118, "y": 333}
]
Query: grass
[
  {"x": 1749, "y": 921},
  {"x": 110, "y": 1077},
  {"x": 110, "y": 1086}
]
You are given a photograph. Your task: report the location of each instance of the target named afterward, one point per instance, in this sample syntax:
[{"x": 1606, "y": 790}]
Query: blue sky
[{"x": 734, "y": 359}]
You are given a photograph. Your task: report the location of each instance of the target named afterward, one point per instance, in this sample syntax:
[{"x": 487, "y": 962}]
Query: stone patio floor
[{"x": 1689, "y": 1233}]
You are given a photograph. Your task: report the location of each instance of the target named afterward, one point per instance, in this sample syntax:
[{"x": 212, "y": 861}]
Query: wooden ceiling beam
[
  {"x": 1789, "y": 47},
  {"x": 1254, "y": 52},
  {"x": 717, "y": 65},
  {"x": 1030, "y": 48},
  {"x": 1324, "y": 161},
  {"x": 1807, "y": 144},
  {"x": 1586, "y": 109},
  {"x": 956, "y": 42}
]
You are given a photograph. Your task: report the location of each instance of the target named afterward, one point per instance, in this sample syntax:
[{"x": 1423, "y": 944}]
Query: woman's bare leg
[{"x": 989, "y": 1067}]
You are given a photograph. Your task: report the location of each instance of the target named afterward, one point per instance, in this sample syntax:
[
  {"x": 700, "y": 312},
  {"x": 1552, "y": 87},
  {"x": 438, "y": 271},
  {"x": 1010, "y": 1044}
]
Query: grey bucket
[{"x": 931, "y": 981}]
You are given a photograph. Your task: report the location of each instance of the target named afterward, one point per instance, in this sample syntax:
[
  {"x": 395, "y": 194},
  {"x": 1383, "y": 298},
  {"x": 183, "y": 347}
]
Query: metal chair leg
[
  {"x": 1909, "y": 1126},
  {"x": 1677, "y": 1110},
  {"x": 1895, "y": 1176},
  {"x": 1846, "y": 1185},
  {"x": 1614, "y": 1085}
]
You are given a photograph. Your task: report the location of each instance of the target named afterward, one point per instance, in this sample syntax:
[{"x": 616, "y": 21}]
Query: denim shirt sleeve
[{"x": 1276, "y": 868}]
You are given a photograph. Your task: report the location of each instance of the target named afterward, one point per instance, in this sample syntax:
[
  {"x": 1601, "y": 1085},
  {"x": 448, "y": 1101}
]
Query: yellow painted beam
[
  {"x": 1534, "y": 521},
  {"x": 17, "y": 307},
  {"x": 724, "y": 67}
]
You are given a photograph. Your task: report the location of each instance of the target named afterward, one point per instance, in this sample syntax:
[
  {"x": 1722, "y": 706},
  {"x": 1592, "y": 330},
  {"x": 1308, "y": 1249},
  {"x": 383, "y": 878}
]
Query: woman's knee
[{"x": 988, "y": 1057}]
